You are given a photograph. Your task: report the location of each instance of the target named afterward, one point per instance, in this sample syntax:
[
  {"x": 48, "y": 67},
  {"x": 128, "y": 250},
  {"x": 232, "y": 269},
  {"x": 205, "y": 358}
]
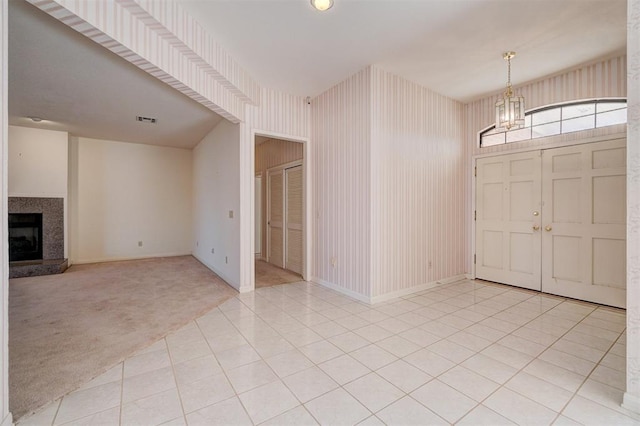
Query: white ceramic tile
[
  {"x": 404, "y": 375},
  {"x": 251, "y": 376},
  {"x": 44, "y": 416},
  {"x": 469, "y": 383},
  {"x": 226, "y": 341},
  {"x": 185, "y": 351},
  {"x": 581, "y": 351},
  {"x": 565, "y": 421},
  {"x": 348, "y": 341},
  {"x": 237, "y": 356},
  {"x": 344, "y": 369},
  {"x": 522, "y": 345},
  {"x": 180, "y": 421},
  {"x": 373, "y": 356},
  {"x": 268, "y": 401},
  {"x": 407, "y": 411},
  {"x": 321, "y": 351},
  {"x": 609, "y": 376},
  {"x": 309, "y": 384},
  {"x": 272, "y": 346},
  {"x": 146, "y": 362},
  {"x": 289, "y": 362},
  {"x": 413, "y": 319},
  {"x": 203, "y": 392},
  {"x": 559, "y": 376},
  {"x": 372, "y": 315},
  {"x": 469, "y": 341},
  {"x": 328, "y": 329},
  {"x": 585, "y": 411},
  {"x": 371, "y": 421},
  {"x": 419, "y": 337},
  {"x": 113, "y": 374},
  {"x": 490, "y": 368},
  {"x": 429, "y": 362},
  {"x": 143, "y": 385},
  {"x": 83, "y": 403},
  {"x": 229, "y": 412},
  {"x": 451, "y": 351},
  {"x": 519, "y": 409},
  {"x": 157, "y": 346},
  {"x": 155, "y": 409},
  {"x": 298, "y": 416},
  {"x": 443, "y": 400},
  {"x": 302, "y": 337},
  {"x": 398, "y": 346},
  {"x": 186, "y": 334},
  {"x": 507, "y": 356},
  {"x": 373, "y": 332},
  {"x": 374, "y": 392},
  {"x": 439, "y": 328},
  {"x": 541, "y": 391},
  {"x": 196, "y": 369},
  {"x": 337, "y": 408},
  {"x": 483, "y": 416},
  {"x": 615, "y": 362},
  {"x": 110, "y": 417}
]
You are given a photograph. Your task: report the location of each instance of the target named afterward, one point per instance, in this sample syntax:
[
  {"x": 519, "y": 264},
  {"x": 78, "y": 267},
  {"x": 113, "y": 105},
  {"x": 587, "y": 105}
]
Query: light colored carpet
[
  {"x": 66, "y": 329},
  {"x": 268, "y": 275}
]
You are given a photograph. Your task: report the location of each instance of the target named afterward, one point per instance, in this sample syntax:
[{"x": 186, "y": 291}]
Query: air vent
[{"x": 146, "y": 119}]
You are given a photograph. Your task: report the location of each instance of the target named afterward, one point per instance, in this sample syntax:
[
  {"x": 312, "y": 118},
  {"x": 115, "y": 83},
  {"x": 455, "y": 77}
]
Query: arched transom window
[{"x": 561, "y": 118}]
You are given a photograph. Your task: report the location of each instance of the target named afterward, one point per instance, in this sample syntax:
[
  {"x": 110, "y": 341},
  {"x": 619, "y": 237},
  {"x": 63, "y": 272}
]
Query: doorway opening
[{"x": 279, "y": 211}]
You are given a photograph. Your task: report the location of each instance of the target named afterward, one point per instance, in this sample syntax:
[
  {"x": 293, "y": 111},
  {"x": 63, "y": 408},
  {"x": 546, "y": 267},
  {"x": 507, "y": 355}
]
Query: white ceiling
[
  {"x": 84, "y": 89},
  {"x": 453, "y": 47}
]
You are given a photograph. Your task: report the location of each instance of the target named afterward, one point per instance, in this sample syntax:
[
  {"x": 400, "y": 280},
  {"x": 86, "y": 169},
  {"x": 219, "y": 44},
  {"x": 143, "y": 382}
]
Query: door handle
[
  {"x": 536, "y": 227},
  {"x": 548, "y": 228}
]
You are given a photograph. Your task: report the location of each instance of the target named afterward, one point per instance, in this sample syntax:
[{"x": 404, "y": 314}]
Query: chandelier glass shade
[{"x": 509, "y": 108}]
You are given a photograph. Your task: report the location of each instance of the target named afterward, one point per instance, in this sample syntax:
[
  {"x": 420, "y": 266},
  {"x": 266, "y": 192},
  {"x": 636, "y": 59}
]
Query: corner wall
[
  {"x": 122, "y": 193},
  {"x": 417, "y": 187},
  {"x": 216, "y": 193},
  {"x": 632, "y": 395}
]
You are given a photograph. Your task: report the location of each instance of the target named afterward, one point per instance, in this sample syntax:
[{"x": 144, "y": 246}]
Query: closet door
[
  {"x": 584, "y": 222},
  {"x": 508, "y": 219},
  {"x": 275, "y": 218},
  {"x": 294, "y": 215}
]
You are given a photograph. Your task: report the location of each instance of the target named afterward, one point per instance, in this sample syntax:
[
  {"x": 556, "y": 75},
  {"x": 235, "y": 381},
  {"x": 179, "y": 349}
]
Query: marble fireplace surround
[{"x": 52, "y": 210}]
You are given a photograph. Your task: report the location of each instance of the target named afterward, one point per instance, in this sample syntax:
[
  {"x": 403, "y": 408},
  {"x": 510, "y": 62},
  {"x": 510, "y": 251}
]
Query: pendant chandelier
[{"x": 509, "y": 108}]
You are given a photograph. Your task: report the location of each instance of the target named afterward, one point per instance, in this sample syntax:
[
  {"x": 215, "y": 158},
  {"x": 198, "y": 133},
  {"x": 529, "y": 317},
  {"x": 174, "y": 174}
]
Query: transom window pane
[{"x": 549, "y": 121}]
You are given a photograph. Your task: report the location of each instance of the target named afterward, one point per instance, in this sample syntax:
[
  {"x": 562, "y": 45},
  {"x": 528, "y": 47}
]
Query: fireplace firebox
[{"x": 25, "y": 236}]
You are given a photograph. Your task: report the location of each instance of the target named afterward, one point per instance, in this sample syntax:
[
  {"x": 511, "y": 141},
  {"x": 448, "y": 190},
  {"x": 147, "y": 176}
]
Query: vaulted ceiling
[{"x": 453, "y": 47}]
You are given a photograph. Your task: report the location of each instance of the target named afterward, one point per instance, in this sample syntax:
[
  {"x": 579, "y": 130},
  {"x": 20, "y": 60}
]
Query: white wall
[
  {"x": 37, "y": 162},
  {"x": 5, "y": 415},
  {"x": 122, "y": 193},
  {"x": 216, "y": 192},
  {"x": 38, "y": 167}
]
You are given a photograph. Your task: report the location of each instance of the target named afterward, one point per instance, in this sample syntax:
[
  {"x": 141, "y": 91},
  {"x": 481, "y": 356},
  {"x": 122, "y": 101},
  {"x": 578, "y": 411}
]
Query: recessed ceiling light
[
  {"x": 35, "y": 119},
  {"x": 322, "y": 5}
]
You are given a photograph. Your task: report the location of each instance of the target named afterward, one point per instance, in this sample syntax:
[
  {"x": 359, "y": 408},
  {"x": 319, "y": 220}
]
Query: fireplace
[
  {"x": 25, "y": 236},
  {"x": 36, "y": 236}
]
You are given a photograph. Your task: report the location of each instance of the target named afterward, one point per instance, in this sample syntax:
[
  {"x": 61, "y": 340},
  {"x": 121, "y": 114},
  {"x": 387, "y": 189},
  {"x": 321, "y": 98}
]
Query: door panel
[
  {"x": 294, "y": 209},
  {"x": 507, "y": 209},
  {"x": 275, "y": 232},
  {"x": 584, "y": 222}
]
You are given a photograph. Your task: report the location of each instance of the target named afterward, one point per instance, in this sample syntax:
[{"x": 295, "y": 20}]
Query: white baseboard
[
  {"x": 221, "y": 274},
  {"x": 7, "y": 421},
  {"x": 388, "y": 296},
  {"x": 124, "y": 258},
  {"x": 631, "y": 402},
  {"x": 346, "y": 292}
]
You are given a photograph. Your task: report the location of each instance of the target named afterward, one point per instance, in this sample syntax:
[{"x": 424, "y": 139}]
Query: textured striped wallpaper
[
  {"x": 269, "y": 154},
  {"x": 605, "y": 78},
  {"x": 417, "y": 185},
  {"x": 341, "y": 147},
  {"x": 632, "y": 395},
  {"x": 163, "y": 40}
]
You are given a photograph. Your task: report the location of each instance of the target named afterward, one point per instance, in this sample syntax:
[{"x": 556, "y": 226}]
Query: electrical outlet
[
  {"x": 139, "y": 243},
  {"x": 226, "y": 259},
  {"x": 230, "y": 214},
  {"x": 213, "y": 251}
]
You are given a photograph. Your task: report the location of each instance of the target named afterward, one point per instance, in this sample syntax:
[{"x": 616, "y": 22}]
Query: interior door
[
  {"x": 275, "y": 218},
  {"x": 584, "y": 220},
  {"x": 293, "y": 222},
  {"x": 508, "y": 219}
]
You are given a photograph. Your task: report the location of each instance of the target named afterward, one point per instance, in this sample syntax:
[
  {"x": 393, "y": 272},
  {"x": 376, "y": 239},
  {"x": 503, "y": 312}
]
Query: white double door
[
  {"x": 555, "y": 220},
  {"x": 285, "y": 218}
]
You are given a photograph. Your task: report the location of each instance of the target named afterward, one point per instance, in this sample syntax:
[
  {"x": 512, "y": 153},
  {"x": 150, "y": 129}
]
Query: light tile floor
[{"x": 466, "y": 353}]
